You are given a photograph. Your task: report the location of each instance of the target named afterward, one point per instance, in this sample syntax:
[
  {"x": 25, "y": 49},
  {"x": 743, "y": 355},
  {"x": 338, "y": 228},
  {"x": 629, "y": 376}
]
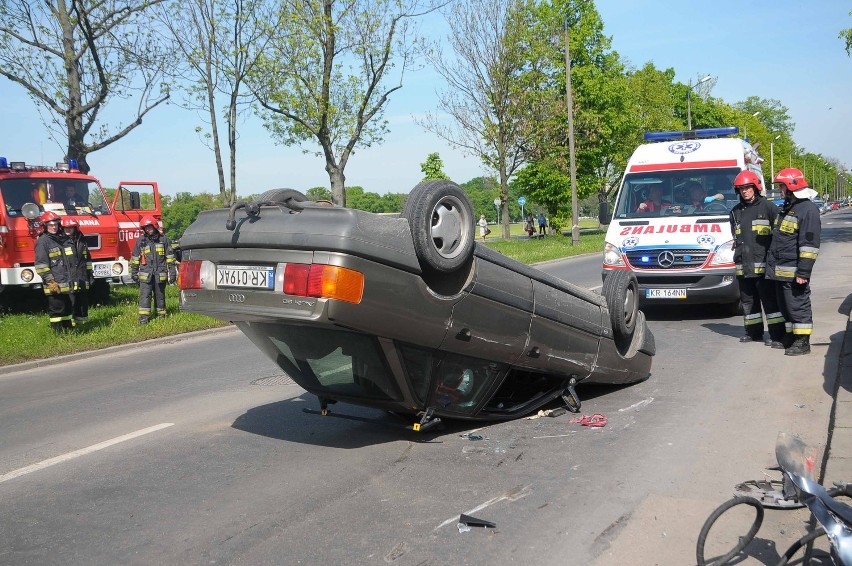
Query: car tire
[
  {"x": 281, "y": 195},
  {"x": 621, "y": 291},
  {"x": 441, "y": 219}
]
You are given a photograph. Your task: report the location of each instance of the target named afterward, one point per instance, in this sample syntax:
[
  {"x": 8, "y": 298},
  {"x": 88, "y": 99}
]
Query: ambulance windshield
[{"x": 696, "y": 192}]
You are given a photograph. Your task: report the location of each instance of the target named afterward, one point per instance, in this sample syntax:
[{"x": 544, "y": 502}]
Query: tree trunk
[{"x": 338, "y": 184}]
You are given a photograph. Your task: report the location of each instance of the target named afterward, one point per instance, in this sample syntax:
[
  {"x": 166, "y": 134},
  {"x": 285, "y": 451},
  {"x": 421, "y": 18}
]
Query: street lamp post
[
  {"x": 689, "y": 99},
  {"x": 772, "y": 157},
  {"x": 755, "y": 115}
]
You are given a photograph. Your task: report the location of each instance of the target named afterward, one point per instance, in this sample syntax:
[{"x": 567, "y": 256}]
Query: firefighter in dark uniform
[
  {"x": 80, "y": 266},
  {"x": 52, "y": 250},
  {"x": 751, "y": 223},
  {"x": 792, "y": 254},
  {"x": 152, "y": 265}
]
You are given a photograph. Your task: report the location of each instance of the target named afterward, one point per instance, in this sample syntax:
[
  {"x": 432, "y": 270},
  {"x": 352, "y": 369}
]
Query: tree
[
  {"x": 218, "y": 42},
  {"x": 73, "y": 60},
  {"x": 846, "y": 36},
  {"x": 433, "y": 168},
  {"x": 489, "y": 94},
  {"x": 326, "y": 75},
  {"x": 318, "y": 193},
  {"x": 182, "y": 210}
]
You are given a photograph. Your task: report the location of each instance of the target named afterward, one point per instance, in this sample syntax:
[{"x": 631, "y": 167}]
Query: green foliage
[
  {"x": 433, "y": 168},
  {"x": 182, "y": 210},
  {"x": 318, "y": 193}
]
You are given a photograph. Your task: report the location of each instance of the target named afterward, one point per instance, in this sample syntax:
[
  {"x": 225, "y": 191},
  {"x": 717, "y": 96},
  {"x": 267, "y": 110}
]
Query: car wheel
[
  {"x": 621, "y": 291},
  {"x": 281, "y": 195},
  {"x": 441, "y": 219}
]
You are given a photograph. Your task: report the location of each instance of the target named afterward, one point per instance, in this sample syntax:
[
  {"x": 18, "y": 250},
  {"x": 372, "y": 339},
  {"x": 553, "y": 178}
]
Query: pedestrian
[
  {"x": 80, "y": 267},
  {"x": 483, "y": 227},
  {"x": 51, "y": 264},
  {"x": 152, "y": 265},
  {"x": 792, "y": 254},
  {"x": 542, "y": 224},
  {"x": 751, "y": 225},
  {"x": 528, "y": 226}
]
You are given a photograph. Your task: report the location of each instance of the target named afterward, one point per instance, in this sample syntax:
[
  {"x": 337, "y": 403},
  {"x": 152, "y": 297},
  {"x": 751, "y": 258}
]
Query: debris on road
[{"x": 597, "y": 420}]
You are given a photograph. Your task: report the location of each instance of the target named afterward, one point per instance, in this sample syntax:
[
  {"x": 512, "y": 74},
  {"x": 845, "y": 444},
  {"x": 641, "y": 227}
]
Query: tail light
[
  {"x": 189, "y": 275},
  {"x": 325, "y": 281}
]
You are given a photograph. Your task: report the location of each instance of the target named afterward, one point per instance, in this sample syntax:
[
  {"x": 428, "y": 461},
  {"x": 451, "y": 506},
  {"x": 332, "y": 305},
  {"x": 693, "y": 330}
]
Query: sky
[{"x": 785, "y": 50}]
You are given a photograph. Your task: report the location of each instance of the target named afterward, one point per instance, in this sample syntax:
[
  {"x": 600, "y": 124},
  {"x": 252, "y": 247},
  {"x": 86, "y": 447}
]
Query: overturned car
[{"x": 407, "y": 312}]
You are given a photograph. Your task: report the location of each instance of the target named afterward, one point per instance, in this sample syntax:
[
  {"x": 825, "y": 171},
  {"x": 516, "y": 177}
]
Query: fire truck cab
[
  {"x": 109, "y": 219},
  {"x": 670, "y": 221}
]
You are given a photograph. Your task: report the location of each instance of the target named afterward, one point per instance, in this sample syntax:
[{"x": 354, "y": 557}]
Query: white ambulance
[{"x": 670, "y": 221}]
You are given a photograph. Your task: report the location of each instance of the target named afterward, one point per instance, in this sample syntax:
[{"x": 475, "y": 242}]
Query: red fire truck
[{"x": 109, "y": 220}]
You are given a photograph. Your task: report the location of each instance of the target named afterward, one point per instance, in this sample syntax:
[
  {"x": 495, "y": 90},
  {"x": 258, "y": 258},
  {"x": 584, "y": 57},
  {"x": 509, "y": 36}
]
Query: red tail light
[
  {"x": 189, "y": 275},
  {"x": 326, "y": 281}
]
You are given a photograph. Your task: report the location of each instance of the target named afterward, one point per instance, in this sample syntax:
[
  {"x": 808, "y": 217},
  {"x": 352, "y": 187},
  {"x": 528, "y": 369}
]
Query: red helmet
[
  {"x": 746, "y": 178},
  {"x": 791, "y": 178},
  {"x": 147, "y": 221},
  {"x": 49, "y": 216},
  {"x": 68, "y": 222}
]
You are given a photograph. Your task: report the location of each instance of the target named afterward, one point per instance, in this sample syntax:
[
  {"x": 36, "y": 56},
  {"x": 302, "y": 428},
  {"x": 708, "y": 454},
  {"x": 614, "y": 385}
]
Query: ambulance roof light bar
[{"x": 692, "y": 134}]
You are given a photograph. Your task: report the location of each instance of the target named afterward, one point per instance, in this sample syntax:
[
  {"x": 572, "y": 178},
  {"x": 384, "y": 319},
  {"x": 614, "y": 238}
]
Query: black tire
[
  {"x": 441, "y": 219},
  {"x": 743, "y": 542},
  {"x": 621, "y": 291},
  {"x": 281, "y": 195},
  {"x": 99, "y": 292}
]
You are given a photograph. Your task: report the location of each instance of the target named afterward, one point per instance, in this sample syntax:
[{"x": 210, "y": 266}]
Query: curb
[{"x": 23, "y": 366}]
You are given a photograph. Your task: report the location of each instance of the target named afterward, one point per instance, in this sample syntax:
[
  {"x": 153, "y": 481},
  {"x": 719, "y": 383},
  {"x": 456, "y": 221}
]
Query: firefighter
[
  {"x": 751, "y": 224},
  {"x": 80, "y": 265},
  {"x": 791, "y": 258},
  {"x": 152, "y": 265},
  {"x": 52, "y": 251}
]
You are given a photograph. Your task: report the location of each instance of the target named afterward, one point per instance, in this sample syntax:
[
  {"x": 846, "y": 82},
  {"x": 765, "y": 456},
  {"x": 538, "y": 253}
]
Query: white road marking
[{"x": 82, "y": 452}]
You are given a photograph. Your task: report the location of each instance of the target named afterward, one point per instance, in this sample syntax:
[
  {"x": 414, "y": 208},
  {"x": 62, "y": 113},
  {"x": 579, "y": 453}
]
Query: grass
[{"x": 25, "y": 332}]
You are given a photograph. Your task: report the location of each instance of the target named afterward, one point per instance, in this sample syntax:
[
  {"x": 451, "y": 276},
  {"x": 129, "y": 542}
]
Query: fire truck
[{"x": 109, "y": 219}]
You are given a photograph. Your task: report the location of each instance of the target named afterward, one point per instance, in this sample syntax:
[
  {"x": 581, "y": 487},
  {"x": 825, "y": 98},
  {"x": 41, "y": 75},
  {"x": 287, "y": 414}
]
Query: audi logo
[
  {"x": 666, "y": 259},
  {"x": 236, "y": 298}
]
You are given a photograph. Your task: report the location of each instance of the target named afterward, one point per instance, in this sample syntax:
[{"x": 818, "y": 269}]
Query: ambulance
[{"x": 670, "y": 221}]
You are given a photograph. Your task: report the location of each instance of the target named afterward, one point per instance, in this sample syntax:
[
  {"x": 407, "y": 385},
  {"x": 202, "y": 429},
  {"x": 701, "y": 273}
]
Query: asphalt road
[{"x": 197, "y": 451}]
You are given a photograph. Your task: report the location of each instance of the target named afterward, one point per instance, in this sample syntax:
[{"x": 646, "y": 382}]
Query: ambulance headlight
[
  {"x": 612, "y": 255},
  {"x": 724, "y": 255},
  {"x": 27, "y": 275},
  {"x": 117, "y": 268}
]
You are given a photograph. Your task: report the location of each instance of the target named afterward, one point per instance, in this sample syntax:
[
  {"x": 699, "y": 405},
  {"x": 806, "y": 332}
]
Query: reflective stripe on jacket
[
  {"x": 52, "y": 263},
  {"x": 751, "y": 225},
  {"x": 795, "y": 241},
  {"x": 152, "y": 255}
]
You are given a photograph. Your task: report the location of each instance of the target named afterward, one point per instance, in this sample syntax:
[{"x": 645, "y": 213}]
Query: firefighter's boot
[
  {"x": 57, "y": 327},
  {"x": 801, "y": 345},
  {"x": 143, "y": 320}
]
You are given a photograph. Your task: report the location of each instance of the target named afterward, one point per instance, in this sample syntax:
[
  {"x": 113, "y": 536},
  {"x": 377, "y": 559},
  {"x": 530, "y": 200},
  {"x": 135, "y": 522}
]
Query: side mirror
[
  {"x": 135, "y": 200},
  {"x": 604, "y": 216},
  {"x": 30, "y": 211}
]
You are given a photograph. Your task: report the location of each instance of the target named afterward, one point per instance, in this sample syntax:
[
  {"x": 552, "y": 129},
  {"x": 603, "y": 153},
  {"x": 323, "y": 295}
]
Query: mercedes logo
[
  {"x": 236, "y": 298},
  {"x": 666, "y": 259}
]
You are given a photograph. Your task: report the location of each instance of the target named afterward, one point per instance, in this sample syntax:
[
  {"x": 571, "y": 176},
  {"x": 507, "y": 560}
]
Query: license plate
[
  {"x": 102, "y": 270},
  {"x": 246, "y": 276},
  {"x": 665, "y": 293}
]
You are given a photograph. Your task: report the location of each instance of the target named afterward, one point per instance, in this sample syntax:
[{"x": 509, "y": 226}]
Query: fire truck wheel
[
  {"x": 621, "y": 291},
  {"x": 281, "y": 195},
  {"x": 440, "y": 216},
  {"x": 99, "y": 292}
]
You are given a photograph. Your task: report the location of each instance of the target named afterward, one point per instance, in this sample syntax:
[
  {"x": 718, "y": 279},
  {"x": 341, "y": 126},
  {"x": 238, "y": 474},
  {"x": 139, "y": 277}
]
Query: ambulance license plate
[
  {"x": 665, "y": 293},
  {"x": 101, "y": 270},
  {"x": 245, "y": 276}
]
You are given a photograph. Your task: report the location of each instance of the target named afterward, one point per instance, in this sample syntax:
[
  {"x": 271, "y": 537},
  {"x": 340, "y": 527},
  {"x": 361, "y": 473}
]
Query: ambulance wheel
[
  {"x": 621, "y": 291},
  {"x": 282, "y": 196},
  {"x": 440, "y": 216}
]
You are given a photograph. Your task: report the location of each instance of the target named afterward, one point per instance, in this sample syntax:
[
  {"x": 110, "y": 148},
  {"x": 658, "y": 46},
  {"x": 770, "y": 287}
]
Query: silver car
[{"x": 408, "y": 312}]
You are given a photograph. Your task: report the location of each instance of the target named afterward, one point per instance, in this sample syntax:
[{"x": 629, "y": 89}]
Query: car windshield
[
  {"x": 73, "y": 196},
  {"x": 696, "y": 192},
  {"x": 345, "y": 363}
]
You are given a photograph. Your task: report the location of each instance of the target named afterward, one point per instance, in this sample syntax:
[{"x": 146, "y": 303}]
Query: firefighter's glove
[
  {"x": 91, "y": 280},
  {"x": 134, "y": 278},
  {"x": 53, "y": 287}
]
